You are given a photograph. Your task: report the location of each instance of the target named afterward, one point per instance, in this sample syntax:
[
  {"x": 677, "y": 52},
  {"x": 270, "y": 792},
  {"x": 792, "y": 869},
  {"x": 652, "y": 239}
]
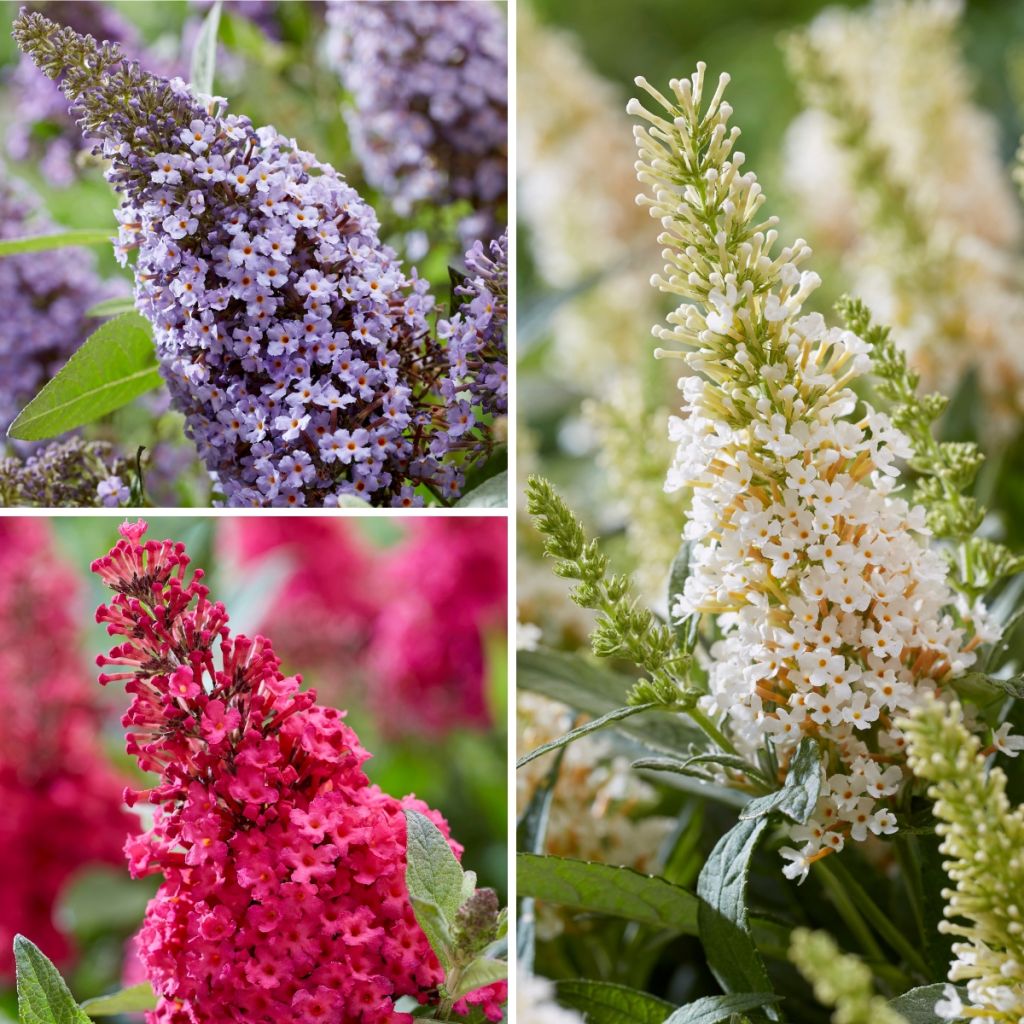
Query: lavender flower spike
[{"x": 289, "y": 335}]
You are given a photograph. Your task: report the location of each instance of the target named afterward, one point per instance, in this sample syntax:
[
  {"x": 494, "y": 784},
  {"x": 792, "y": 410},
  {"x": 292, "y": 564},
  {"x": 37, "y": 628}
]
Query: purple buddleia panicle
[
  {"x": 289, "y": 335},
  {"x": 44, "y": 298},
  {"x": 66, "y": 474},
  {"x": 42, "y": 129},
  {"x": 477, "y": 347},
  {"x": 429, "y": 110}
]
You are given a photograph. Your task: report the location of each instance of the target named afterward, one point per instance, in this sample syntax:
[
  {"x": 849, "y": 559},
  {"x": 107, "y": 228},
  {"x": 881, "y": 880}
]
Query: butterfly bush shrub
[
  {"x": 283, "y": 892},
  {"x": 289, "y": 335},
  {"x": 62, "y": 806}
]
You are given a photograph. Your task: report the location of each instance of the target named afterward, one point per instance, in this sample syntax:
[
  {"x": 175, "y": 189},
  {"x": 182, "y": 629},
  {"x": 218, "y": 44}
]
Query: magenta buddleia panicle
[{"x": 289, "y": 335}]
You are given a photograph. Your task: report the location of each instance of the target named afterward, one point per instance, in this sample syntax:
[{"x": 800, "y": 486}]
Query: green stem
[
  {"x": 883, "y": 925},
  {"x": 848, "y": 910},
  {"x": 711, "y": 730}
]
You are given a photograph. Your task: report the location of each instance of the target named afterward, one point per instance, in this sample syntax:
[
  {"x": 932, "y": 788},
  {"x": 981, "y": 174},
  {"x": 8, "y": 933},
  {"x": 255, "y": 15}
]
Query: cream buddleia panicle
[
  {"x": 983, "y": 840},
  {"x": 834, "y": 615},
  {"x": 895, "y": 165}
]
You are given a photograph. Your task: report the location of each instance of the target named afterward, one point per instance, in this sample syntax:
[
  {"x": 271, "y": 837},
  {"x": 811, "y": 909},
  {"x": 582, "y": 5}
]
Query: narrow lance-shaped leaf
[
  {"x": 715, "y": 1009},
  {"x": 799, "y": 796},
  {"x": 116, "y": 363},
  {"x": 722, "y": 914},
  {"x": 57, "y": 240},
  {"x": 204, "y": 56},
  {"x": 604, "y": 1002},
  {"x": 128, "y": 1000},
  {"x": 585, "y": 730},
  {"x": 605, "y": 889}
]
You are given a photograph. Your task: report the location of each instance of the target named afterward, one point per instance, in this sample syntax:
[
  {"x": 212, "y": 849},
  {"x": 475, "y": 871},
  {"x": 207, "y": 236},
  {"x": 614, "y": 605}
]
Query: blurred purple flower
[{"x": 429, "y": 110}]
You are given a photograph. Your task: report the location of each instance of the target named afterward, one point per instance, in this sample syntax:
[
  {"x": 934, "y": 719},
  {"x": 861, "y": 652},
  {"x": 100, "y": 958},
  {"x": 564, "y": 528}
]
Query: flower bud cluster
[{"x": 982, "y": 839}]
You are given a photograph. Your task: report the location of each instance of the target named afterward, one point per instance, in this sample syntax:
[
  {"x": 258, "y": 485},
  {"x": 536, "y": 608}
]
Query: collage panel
[
  {"x": 223, "y": 792},
  {"x": 769, "y": 547},
  {"x": 254, "y": 254},
  {"x": 254, "y": 432}
]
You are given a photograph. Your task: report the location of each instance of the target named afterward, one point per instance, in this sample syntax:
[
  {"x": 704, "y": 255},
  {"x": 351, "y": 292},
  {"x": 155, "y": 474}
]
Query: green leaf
[
  {"x": 981, "y": 688},
  {"x": 58, "y": 240},
  {"x": 482, "y": 971},
  {"x": 43, "y": 998},
  {"x": 436, "y": 928},
  {"x": 115, "y": 364},
  {"x": 594, "y": 690},
  {"x": 492, "y": 493},
  {"x": 605, "y": 889},
  {"x": 691, "y": 765},
  {"x": 204, "y": 56},
  {"x": 722, "y": 914},
  {"x": 603, "y": 1002},
  {"x": 686, "y": 630},
  {"x": 713, "y": 1009},
  {"x": 918, "y": 1005},
  {"x": 531, "y": 832},
  {"x": 798, "y": 798},
  {"x": 585, "y": 730},
  {"x": 433, "y": 878},
  {"x": 111, "y": 307},
  {"x": 128, "y": 1000}
]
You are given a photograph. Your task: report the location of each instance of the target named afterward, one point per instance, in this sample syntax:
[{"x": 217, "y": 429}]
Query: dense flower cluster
[
  {"x": 284, "y": 869},
  {"x": 600, "y": 807},
  {"x": 429, "y": 113},
  {"x": 66, "y": 474},
  {"x": 44, "y": 299},
  {"x": 898, "y": 167},
  {"x": 835, "y": 618},
  {"x": 289, "y": 335},
  {"x": 477, "y": 348},
  {"x": 982, "y": 838},
  {"x": 412, "y": 635},
  {"x": 62, "y": 806}
]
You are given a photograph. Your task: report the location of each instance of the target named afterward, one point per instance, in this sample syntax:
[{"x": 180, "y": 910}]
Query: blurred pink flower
[
  {"x": 61, "y": 800},
  {"x": 407, "y": 622}
]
